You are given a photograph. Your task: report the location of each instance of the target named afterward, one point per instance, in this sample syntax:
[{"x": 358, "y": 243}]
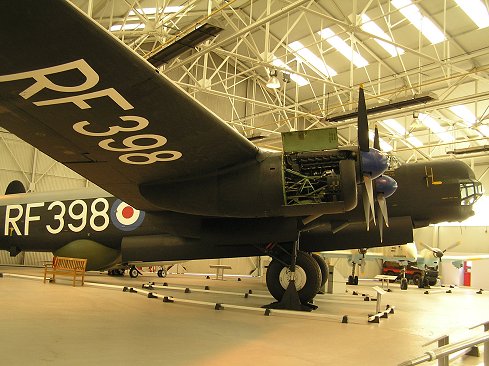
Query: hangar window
[{"x": 470, "y": 191}]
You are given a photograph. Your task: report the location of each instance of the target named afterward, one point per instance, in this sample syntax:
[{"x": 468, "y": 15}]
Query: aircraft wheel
[
  {"x": 307, "y": 277},
  {"x": 416, "y": 278},
  {"x": 350, "y": 280},
  {"x": 120, "y": 272},
  {"x": 355, "y": 280},
  {"x": 161, "y": 273},
  {"x": 323, "y": 267},
  {"x": 133, "y": 272},
  {"x": 404, "y": 283}
]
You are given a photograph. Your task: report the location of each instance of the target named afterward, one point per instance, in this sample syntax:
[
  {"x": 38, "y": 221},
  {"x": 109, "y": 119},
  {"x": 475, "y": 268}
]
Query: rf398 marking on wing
[{"x": 132, "y": 151}]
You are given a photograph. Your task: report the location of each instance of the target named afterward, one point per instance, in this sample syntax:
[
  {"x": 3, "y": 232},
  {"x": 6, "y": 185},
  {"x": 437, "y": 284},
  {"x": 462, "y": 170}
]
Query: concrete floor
[{"x": 57, "y": 324}]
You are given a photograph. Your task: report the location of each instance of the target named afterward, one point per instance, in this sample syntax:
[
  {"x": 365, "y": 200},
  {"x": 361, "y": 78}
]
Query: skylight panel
[
  {"x": 384, "y": 146},
  {"x": 305, "y": 55},
  {"x": 463, "y": 112},
  {"x": 436, "y": 128},
  {"x": 414, "y": 141},
  {"x": 422, "y": 23},
  {"x": 127, "y": 26},
  {"x": 395, "y": 126},
  {"x": 301, "y": 81},
  {"x": 371, "y": 27},
  {"x": 476, "y": 11},
  {"x": 335, "y": 41}
]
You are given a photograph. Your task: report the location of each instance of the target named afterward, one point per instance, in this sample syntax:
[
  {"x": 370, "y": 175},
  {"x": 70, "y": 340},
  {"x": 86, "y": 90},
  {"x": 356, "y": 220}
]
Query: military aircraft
[{"x": 177, "y": 183}]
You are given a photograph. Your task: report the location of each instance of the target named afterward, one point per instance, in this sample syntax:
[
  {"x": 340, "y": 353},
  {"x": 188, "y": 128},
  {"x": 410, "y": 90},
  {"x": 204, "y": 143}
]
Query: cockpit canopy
[{"x": 470, "y": 191}]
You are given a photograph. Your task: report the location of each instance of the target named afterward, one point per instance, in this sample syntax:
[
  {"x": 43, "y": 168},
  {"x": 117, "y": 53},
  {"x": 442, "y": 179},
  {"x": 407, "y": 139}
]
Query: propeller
[
  {"x": 385, "y": 187},
  {"x": 437, "y": 252},
  {"x": 373, "y": 161}
]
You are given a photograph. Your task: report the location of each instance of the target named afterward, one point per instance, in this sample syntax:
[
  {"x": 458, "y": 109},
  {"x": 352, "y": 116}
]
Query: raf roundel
[{"x": 125, "y": 217}]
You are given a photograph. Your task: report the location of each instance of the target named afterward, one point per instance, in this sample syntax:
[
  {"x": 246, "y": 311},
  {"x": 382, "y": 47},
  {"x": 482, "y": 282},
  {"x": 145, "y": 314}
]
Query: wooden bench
[
  {"x": 66, "y": 266},
  {"x": 220, "y": 270}
]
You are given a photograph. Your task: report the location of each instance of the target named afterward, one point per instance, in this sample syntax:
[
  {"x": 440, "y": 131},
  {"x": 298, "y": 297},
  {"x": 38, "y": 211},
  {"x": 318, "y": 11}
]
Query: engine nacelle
[{"x": 98, "y": 255}]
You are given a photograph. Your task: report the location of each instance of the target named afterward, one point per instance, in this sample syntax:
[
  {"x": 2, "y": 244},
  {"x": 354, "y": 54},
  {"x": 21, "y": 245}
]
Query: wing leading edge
[{"x": 72, "y": 90}]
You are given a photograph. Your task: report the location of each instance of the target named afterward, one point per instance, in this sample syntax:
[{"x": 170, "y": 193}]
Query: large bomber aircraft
[{"x": 176, "y": 182}]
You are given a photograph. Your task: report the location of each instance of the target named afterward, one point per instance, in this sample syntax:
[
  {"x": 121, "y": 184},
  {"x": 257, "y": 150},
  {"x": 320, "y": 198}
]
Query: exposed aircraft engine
[{"x": 99, "y": 256}]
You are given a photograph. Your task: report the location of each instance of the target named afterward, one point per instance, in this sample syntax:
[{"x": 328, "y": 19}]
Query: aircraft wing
[{"x": 71, "y": 89}]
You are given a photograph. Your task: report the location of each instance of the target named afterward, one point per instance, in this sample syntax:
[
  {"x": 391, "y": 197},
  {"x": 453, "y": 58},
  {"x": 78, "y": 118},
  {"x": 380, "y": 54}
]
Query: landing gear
[
  {"x": 133, "y": 272},
  {"x": 307, "y": 277},
  {"x": 404, "y": 283},
  {"x": 162, "y": 272},
  {"x": 353, "y": 279},
  {"x": 324, "y": 269},
  {"x": 116, "y": 272}
]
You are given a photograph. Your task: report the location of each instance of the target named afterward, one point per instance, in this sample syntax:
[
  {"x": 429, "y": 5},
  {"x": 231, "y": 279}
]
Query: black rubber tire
[
  {"x": 323, "y": 266},
  {"x": 313, "y": 278},
  {"x": 355, "y": 280},
  {"x": 416, "y": 278},
  {"x": 160, "y": 273},
  {"x": 133, "y": 272},
  {"x": 350, "y": 280},
  {"x": 404, "y": 283},
  {"x": 432, "y": 281}
]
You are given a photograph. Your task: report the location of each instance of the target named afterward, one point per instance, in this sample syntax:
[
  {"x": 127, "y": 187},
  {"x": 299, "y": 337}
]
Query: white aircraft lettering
[
  {"x": 97, "y": 217},
  {"x": 133, "y": 152}
]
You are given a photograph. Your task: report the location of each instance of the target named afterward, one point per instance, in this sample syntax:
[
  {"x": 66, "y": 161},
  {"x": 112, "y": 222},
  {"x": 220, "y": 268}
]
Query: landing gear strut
[
  {"x": 353, "y": 279},
  {"x": 404, "y": 280},
  {"x": 296, "y": 283}
]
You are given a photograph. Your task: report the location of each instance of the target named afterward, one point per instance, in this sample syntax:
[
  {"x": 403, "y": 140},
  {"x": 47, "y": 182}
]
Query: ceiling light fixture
[{"x": 273, "y": 81}]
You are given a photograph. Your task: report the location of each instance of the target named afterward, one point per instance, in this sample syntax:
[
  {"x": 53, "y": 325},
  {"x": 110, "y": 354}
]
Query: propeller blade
[
  {"x": 380, "y": 220},
  {"x": 376, "y": 139},
  {"x": 383, "y": 208},
  {"x": 362, "y": 122},
  {"x": 366, "y": 208},
  {"x": 427, "y": 246},
  {"x": 370, "y": 194},
  {"x": 453, "y": 246}
]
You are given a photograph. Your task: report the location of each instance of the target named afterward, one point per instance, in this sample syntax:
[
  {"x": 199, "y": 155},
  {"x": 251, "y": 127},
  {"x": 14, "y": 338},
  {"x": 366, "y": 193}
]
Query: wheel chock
[
  {"x": 373, "y": 319},
  {"x": 426, "y": 292},
  {"x": 355, "y": 293},
  {"x": 389, "y": 290},
  {"x": 267, "y": 312},
  {"x": 168, "y": 299},
  {"x": 478, "y": 292},
  {"x": 448, "y": 291},
  {"x": 125, "y": 289},
  {"x": 452, "y": 286},
  {"x": 165, "y": 284},
  {"x": 187, "y": 291},
  {"x": 246, "y": 295},
  {"x": 152, "y": 296},
  {"x": 207, "y": 277},
  {"x": 133, "y": 290},
  {"x": 149, "y": 287},
  {"x": 366, "y": 298},
  {"x": 385, "y": 315},
  {"x": 1, "y": 275},
  {"x": 239, "y": 279},
  {"x": 206, "y": 288},
  {"x": 344, "y": 320},
  {"x": 250, "y": 292},
  {"x": 218, "y": 307}
]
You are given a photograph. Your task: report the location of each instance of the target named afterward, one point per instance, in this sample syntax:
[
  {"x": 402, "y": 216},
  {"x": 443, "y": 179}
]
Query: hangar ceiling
[{"x": 446, "y": 61}]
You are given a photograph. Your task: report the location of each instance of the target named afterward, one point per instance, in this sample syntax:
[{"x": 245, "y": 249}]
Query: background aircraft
[{"x": 187, "y": 185}]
